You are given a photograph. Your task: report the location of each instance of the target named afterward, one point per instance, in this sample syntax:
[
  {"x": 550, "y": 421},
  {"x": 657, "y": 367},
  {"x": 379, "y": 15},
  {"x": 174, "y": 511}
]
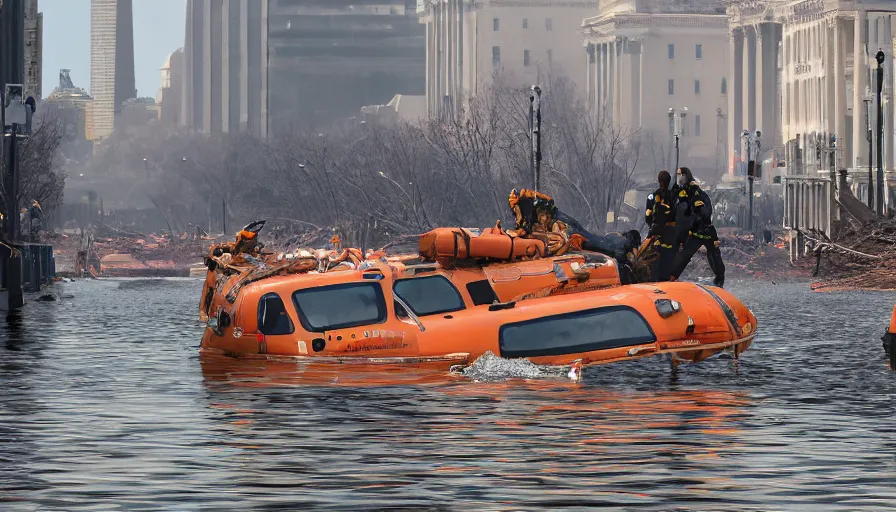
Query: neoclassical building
[
  {"x": 468, "y": 41},
  {"x": 802, "y": 73},
  {"x": 645, "y": 58}
]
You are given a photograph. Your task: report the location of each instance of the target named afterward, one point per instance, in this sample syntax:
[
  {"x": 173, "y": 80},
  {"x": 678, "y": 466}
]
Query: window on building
[
  {"x": 671, "y": 87},
  {"x": 699, "y": 51},
  {"x": 496, "y": 56},
  {"x": 550, "y": 56},
  {"x": 429, "y": 295},
  {"x": 549, "y": 24},
  {"x": 496, "y": 24},
  {"x": 572, "y": 333},
  {"x": 340, "y": 306},
  {"x": 525, "y": 22},
  {"x": 525, "y": 57},
  {"x": 272, "y": 317},
  {"x": 724, "y": 86},
  {"x": 696, "y": 86},
  {"x": 697, "y": 126},
  {"x": 671, "y": 51}
]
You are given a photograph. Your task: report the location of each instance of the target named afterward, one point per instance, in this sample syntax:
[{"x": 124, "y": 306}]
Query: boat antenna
[{"x": 535, "y": 135}]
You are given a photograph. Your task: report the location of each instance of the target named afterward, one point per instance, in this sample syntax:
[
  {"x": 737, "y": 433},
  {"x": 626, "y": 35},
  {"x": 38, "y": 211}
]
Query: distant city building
[
  {"x": 71, "y": 106},
  {"x": 171, "y": 89},
  {"x": 646, "y": 58},
  {"x": 34, "y": 32},
  {"x": 225, "y": 56},
  {"x": 330, "y": 58},
  {"x": 112, "y": 79},
  {"x": 527, "y": 42}
]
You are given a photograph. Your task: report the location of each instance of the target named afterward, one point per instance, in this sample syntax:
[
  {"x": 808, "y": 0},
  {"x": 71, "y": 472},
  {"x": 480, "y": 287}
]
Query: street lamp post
[
  {"x": 535, "y": 135},
  {"x": 869, "y": 134},
  {"x": 749, "y": 140},
  {"x": 880, "y": 133},
  {"x": 678, "y": 118}
]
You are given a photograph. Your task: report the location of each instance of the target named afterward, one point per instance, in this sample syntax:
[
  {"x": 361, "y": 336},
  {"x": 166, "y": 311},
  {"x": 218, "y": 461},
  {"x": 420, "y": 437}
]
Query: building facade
[
  {"x": 526, "y": 43},
  {"x": 330, "y": 58},
  {"x": 112, "y": 79},
  {"x": 647, "y": 61},
  {"x": 34, "y": 36},
  {"x": 225, "y": 61},
  {"x": 171, "y": 89}
]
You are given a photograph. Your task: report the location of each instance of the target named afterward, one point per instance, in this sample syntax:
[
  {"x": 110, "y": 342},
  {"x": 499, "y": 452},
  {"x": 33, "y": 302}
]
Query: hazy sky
[{"x": 158, "y": 31}]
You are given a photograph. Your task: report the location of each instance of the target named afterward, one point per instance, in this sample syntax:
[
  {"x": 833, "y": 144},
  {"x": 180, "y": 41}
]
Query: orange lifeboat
[
  {"x": 465, "y": 294},
  {"x": 889, "y": 339}
]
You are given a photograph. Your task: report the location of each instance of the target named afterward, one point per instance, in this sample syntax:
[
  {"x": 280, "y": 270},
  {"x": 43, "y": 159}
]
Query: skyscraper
[
  {"x": 34, "y": 32},
  {"x": 112, "y": 79},
  {"x": 225, "y": 80}
]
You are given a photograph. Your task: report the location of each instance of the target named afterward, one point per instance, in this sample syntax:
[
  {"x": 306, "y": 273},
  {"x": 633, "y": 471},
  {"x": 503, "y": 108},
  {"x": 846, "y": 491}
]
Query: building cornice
[
  {"x": 609, "y": 24},
  {"x": 426, "y": 6}
]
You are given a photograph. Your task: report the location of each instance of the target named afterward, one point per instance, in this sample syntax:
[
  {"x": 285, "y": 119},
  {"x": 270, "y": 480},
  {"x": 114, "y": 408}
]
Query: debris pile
[
  {"x": 859, "y": 257},
  {"x": 745, "y": 256}
]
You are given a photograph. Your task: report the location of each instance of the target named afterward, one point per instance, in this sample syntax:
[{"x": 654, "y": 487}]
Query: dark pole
[
  {"x": 751, "y": 170},
  {"x": 223, "y": 216},
  {"x": 532, "y": 140},
  {"x": 676, "y": 152},
  {"x": 14, "y": 268},
  {"x": 880, "y": 133},
  {"x": 870, "y": 154},
  {"x": 537, "y": 133}
]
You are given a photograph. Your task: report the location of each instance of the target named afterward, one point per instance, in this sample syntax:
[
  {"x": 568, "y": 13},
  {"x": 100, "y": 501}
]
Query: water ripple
[{"x": 107, "y": 406}]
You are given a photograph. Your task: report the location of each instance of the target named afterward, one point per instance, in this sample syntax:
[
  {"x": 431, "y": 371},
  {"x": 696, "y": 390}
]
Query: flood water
[{"x": 104, "y": 404}]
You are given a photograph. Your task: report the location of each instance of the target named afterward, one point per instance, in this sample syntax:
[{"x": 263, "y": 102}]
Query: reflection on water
[{"x": 105, "y": 402}]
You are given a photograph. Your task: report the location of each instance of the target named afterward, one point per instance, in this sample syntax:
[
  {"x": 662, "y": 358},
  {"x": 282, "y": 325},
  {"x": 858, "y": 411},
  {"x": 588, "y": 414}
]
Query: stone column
[
  {"x": 614, "y": 72},
  {"x": 735, "y": 94},
  {"x": 589, "y": 77},
  {"x": 888, "y": 101},
  {"x": 749, "y": 78},
  {"x": 637, "y": 88},
  {"x": 604, "y": 76},
  {"x": 762, "y": 41},
  {"x": 840, "y": 93},
  {"x": 860, "y": 85}
]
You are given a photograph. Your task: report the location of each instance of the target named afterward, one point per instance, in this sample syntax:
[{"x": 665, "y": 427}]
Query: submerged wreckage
[{"x": 548, "y": 291}]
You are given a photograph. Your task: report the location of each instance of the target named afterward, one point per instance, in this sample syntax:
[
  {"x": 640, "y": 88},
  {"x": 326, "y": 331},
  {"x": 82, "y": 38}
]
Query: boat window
[
  {"x": 272, "y": 316},
  {"x": 340, "y": 306},
  {"x": 429, "y": 295},
  {"x": 583, "y": 331},
  {"x": 481, "y": 292}
]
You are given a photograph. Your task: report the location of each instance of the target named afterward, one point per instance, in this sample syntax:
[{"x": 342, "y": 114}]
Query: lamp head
[{"x": 880, "y": 58}]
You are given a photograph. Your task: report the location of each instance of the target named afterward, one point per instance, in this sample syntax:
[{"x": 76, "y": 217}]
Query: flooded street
[{"x": 105, "y": 404}]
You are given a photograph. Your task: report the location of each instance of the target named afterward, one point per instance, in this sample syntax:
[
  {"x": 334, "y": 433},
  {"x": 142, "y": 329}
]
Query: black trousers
[
  {"x": 713, "y": 255},
  {"x": 664, "y": 243}
]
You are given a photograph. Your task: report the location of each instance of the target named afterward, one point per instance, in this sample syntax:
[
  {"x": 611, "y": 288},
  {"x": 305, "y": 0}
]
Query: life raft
[{"x": 447, "y": 244}]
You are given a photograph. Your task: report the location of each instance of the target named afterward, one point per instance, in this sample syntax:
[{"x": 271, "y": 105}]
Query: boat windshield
[
  {"x": 571, "y": 333},
  {"x": 429, "y": 295},
  {"x": 341, "y": 306}
]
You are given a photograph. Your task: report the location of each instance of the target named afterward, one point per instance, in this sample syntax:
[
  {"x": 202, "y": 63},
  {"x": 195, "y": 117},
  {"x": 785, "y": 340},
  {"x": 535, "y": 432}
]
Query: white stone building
[
  {"x": 645, "y": 58},
  {"x": 812, "y": 61},
  {"x": 467, "y": 42}
]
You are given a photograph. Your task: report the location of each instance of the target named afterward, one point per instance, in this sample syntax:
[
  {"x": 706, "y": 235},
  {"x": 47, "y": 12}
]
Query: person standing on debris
[
  {"x": 701, "y": 233},
  {"x": 36, "y": 216},
  {"x": 660, "y": 218}
]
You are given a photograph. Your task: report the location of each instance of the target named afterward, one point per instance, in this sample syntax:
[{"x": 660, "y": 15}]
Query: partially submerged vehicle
[
  {"x": 889, "y": 339},
  {"x": 466, "y": 292}
]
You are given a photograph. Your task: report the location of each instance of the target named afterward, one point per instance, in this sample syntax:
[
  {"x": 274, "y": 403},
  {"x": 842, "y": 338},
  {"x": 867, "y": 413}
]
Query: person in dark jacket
[
  {"x": 697, "y": 208},
  {"x": 660, "y": 217}
]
